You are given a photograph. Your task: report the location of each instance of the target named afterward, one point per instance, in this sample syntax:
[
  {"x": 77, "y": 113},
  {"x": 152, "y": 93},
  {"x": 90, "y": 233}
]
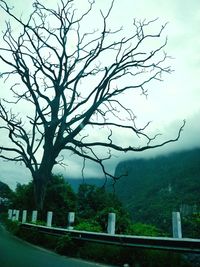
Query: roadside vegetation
[{"x": 92, "y": 205}]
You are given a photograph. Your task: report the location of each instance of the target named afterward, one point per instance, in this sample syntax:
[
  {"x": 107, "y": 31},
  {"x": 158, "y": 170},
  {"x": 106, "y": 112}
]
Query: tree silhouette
[{"x": 71, "y": 81}]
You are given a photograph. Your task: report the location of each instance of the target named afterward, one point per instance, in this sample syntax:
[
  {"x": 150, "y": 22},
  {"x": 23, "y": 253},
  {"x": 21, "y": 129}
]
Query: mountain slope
[{"x": 153, "y": 188}]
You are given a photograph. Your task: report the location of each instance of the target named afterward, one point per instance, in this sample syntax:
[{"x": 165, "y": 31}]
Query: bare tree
[{"x": 73, "y": 81}]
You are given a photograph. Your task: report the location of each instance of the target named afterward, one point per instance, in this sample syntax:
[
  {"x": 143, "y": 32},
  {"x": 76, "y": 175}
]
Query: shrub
[
  {"x": 66, "y": 246},
  {"x": 12, "y": 226},
  {"x": 191, "y": 226},
  {"x": 142, "y": 229},
  {"x": 88, "y": 225}
]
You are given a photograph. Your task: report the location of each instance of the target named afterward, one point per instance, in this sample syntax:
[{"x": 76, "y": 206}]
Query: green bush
[
  {"x": 12, "y": 226},
  {"x": 31, "y": 235},
  {"x": 142, "y": 229},
  {"x": 88, "y": 225},
  {"x": 66, "y": 246},
  {"x": 39, "y": 222},
  {"x": 35, "y": 237},
  {"x": 191, "y": 226}
]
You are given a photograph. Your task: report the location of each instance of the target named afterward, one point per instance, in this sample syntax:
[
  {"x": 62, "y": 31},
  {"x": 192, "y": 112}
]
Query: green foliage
[
  {"x": 23, "y": 198},
  {"x": 88, "y": 225},
  {"x": 5, "y": 191},
  {"x": 92, "y": 199},
  {"x": 95, "y": 202},
  {"x": 191, "y": 226},
  {"x": 122, "y": 219},
  {"x": 65, "y": 245},
  {"x": 12, "y": 226},
  {"x": 104, "y": 253},
  {"x": 31, "y": 235},
  {"x": 39, "y": 222},
  {"x": 60, "y": 198},
  {"x": 155, "y": 187},
  {"x": 92, "y": 205},
  {"x": 142, "y": 229},
  {"x": 34, "y": 236},
  {"x": 5, "y": 196}
]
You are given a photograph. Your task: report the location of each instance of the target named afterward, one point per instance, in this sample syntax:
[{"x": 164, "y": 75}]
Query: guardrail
[
  {"x": 177, "y": 243},
  {"x": 162, "y": 243},
  {"x": 14, "y": 216}
]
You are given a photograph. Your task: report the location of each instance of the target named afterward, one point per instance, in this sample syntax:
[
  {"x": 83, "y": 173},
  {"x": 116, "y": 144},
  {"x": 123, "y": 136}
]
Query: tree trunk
[
  {"x": 40, "y": 184},
  {"x": 42, "y": 176}
]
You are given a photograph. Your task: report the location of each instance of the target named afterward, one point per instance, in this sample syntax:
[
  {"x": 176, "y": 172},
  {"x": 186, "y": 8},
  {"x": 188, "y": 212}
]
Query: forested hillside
[{"x": 155, "y": 187}]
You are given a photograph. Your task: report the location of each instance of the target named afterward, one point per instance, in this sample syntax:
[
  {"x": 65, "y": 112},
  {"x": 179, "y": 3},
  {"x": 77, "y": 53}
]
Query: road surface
[{"x": 17, "y": 253}]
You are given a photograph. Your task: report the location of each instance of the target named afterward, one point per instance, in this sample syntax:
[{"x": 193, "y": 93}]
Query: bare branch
[{"x": 72, "y": 80}]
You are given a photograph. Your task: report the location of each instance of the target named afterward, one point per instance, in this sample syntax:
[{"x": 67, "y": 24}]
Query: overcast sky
[{"x": 168, "y": 102}]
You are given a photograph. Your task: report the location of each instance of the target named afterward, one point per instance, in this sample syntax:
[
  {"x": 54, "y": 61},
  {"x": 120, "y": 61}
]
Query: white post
[
  {"x": 176, "y": 225},
  {"x": 111, "y": 223},
  {"x": 71, "y": 218},
  {"x": 10, "y": 214},
  {"x": 24, "y": 216},
  {"x": 34, "y": 216},
  {"x": 49, "y": 218},
  {"x": 13, "y": 215},
  {"x": 17, "y": 215}
]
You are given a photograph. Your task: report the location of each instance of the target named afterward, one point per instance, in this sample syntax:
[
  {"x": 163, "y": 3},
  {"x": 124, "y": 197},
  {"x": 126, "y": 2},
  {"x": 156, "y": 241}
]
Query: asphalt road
[{"x": 17, "y": 253}]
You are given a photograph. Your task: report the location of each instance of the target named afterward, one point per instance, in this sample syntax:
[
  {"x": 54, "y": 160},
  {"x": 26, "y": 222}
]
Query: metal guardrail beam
[{"x": 163, "y": 243}]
